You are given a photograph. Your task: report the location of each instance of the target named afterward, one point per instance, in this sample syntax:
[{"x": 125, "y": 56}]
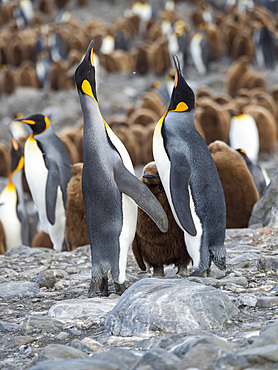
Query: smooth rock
[
  {"x": 259, "y": 355},
  {"x": 268, "y": 263},
  {"x": 21, "y": 340},
  {"x": 247, "y": 299},
  {"x": 158, "y": 359},
  {"x": 58, "y": 352},
  {"x": 19, "y": 289},
  {"x": 79, "y": 310},
  {"x": 168, "y": 306},
  {"x": 77, "y": 344},
  {"x": 93, "y": 344},
  {"x": 48, "y": 278},
  {"x": 183, "y": 345},
  {"x": 124, "y": 358},
  {"x": 267, "y": 302},
  {"x": 90, "y": 364},
  {"x": 201, "y": 356},
  {"x": 268, "y": 335},
  {"x": 265, "y": 210},
  {"x": 42, "y": 323},
  {"x": 9, "y": 326}
]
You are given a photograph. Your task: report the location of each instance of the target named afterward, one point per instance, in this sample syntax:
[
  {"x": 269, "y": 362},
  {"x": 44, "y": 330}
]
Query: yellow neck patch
[
  {"x": 87, "y": 89},
  {"x": 19, "y": 166},
  {"x": 181, "y": 107},
  {"x": 47, "y": 122},
  {"x": 10, "y": 185}
]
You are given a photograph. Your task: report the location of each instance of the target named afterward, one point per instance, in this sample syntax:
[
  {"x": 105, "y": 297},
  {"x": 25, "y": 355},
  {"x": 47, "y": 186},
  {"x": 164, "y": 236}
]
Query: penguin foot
[
  {"x": 158, "y": 271},
  {"x": 101, "y": 286},
  {"x": 204, "y": 273},
  {"x": 120, "y": 288},
  {"x": 182, "y": 271}
]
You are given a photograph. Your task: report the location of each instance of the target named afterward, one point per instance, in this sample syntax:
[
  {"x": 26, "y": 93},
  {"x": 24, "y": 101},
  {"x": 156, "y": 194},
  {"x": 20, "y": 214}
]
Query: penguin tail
[{"x": 137, "y": 254}]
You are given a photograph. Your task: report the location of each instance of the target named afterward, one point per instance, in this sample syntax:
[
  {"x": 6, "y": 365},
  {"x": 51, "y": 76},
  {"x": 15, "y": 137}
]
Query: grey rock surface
[{"x": 168, "y": 306}]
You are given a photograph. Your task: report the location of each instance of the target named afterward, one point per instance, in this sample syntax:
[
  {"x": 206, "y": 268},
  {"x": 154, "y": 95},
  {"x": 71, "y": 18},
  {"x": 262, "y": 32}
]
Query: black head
[
  {"x": 17, "y": 157},
  {"x": 38, "y": 123},
  {"x": 182, "y": 98},
  {"x": 85, "y": 74}
]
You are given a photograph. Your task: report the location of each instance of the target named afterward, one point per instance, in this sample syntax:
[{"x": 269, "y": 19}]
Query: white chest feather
[
  {"x": 8, "y": 216},
  {"x": 36, "y": 175},
  {"x": 196, "y": 53},
  {"x": 244, "y": 135}
]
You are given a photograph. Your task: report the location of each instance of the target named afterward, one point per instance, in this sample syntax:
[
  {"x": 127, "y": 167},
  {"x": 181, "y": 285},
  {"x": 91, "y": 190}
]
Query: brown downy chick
[
  {"x": 152, "y": 247},
  {"x": 76, "y": 232}
]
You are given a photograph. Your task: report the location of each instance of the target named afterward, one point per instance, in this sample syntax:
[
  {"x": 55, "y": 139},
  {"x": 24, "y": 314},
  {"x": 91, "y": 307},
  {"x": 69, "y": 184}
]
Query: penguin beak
[
  {"x": 177, "y": 68},
  {"x": 14, "y": 144},
  {"x": 27, "y": 121},
  {"x": 90, "y": 53}
]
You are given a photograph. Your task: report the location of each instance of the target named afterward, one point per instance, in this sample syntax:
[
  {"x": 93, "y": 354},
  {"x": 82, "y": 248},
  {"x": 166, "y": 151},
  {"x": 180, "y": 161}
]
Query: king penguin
[
  {"x": 47, "y": 169},
  {"x": 9, "y": 212},
  {"x": 110, "y": 189},
  {"x": 190, "y": 179}
]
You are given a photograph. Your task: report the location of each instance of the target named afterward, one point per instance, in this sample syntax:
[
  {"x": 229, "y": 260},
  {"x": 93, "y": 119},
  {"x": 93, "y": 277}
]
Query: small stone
[
  {"x": 201, "y": 356},
  {"x": 268, "y": 263},
  {"x": 248, "y": 299},
  {"x": 21, "y": 340},
  {"x": 124, "y": 358},
  {"x": 62, "y": 336},
  {"x": 79, "y": 310},
  {"x": 58, "y": 352},
  {"x": 19, "y": 289},
  {"x": 267, "y": 302},
  {"x": 77, "y": 344},
  {"x": 8, "y": 326},
  {"x": 48, "y": 278},
  {"x": 159, "y": 359},
  {"x": 93, "y": 344}
]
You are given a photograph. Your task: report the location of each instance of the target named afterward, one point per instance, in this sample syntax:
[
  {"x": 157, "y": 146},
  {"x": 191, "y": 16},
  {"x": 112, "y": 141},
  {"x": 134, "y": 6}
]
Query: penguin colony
[
  {"x": 32, "y": 54},
  {"x": 51, "y": 62}
]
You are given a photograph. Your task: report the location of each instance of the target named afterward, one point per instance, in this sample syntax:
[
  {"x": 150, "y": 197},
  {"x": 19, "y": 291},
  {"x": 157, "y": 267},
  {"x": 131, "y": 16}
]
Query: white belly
[
  {"x": 36, "y": 175},
  {"x": 193, "y": 243},
  {"x": 128, "y": 232},
  {"x": 244, "y": 135},
  {"x": 196, "y": 54},
  {"x": 8, "y": 216}
]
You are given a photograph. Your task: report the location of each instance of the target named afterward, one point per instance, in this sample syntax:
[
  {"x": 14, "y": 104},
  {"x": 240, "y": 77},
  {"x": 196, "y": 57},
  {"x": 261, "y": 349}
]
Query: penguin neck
[
  {"x": 181, "y": 121},
  {"x": 93, "y": 121}
]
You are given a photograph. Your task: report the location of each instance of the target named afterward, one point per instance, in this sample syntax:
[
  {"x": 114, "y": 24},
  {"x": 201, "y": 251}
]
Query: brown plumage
[
  {"x": 150, "y": 246},
  {"x": 5, "y": 159},
  {"x": 3, "y": 245},
  {"x": 235, "y": 73},
  {"x": 143, "y": 116},
  {"x": 76, "y": 232},
  {"x": 214, "y": 121},
  {"x": 267, "y": 127},
  {"x": 42, "y": 240},
  {"x": 239, "y": 188}
]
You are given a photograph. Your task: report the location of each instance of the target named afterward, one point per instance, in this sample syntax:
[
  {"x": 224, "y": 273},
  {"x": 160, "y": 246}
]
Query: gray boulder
[
  {"x": 265, "y": 211},
  {"x": 168, "y": 306}
]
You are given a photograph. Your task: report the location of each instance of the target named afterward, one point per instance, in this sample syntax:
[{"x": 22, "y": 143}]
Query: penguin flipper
[
  {"x": 129, "y": 184},
  {"x": 137, "y": 253},
  {"x": 179, "y": 185},
  {"x": 52, "y": 183}
]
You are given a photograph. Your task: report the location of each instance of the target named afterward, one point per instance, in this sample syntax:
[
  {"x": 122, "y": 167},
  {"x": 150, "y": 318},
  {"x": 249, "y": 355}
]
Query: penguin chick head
[
  {"x": 17, "y": 161},
  {"x": 85, "y": 74},
  {"x": 150, "y": 174},
  {"x": 38, "y": 123},
  {"x": 182, "y": 98}
]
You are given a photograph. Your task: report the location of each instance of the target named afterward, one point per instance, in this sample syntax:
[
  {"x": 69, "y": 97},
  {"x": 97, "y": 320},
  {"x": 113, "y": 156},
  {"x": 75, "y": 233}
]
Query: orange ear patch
[
  {"x": 176, "y": 78},
  {"x": 92, "y": 59}
]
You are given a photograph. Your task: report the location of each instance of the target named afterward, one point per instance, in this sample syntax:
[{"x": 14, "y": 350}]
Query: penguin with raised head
[
  {"x": 47, "y": 169},
  {"x": 9, "y": 213},
  {"x": 109, "y": 187},
  {"x": 190, "y": 178}
]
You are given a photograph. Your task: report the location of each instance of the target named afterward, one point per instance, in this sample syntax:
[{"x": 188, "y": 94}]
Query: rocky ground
[
  {"x": 230, "y": 318},
  {"x": 226, "y": 321}
]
